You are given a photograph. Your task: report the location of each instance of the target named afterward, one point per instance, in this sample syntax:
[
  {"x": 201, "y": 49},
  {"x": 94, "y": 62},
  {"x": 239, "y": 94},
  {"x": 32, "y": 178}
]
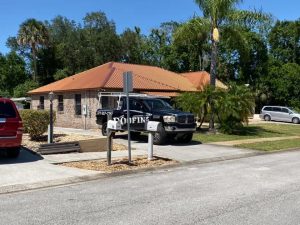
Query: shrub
[
  {"x": 232, "y": 106},
  {"x": 35, "y": 122}
]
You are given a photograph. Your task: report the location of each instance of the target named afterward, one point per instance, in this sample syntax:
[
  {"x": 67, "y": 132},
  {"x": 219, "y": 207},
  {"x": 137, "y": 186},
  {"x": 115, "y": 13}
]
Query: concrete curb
[{"x": 80, "y": 179}]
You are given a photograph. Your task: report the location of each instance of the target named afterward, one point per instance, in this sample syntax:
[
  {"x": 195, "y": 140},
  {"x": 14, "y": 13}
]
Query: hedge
[{"x": 35, "y": 122}]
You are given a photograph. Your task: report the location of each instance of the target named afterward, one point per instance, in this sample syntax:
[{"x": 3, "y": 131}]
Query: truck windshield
[{"x": 157, "y": 104}]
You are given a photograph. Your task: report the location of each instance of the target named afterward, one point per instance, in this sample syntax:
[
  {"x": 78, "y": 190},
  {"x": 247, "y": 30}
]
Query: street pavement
[{"x": 263, "y": 189}]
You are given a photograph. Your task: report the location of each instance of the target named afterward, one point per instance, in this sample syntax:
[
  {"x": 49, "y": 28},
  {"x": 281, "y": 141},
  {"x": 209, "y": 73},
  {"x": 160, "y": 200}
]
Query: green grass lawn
[
  {"x": 273, "y": 145},
  {"x": 251, "y": 132}
]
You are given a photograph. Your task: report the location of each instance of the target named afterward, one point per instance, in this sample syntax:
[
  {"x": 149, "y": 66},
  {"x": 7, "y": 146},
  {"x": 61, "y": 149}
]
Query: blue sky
[{"x": 146, "y": 14}]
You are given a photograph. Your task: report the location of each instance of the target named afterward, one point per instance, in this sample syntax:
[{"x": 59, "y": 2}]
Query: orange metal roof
[
  {"x": 90, "y": 79},
  {"x": 110, "y": 76},
  {"x": 200, "y": 79}
]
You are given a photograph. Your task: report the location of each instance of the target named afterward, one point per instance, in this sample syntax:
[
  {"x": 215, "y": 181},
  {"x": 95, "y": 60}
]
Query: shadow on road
[{"x": 24, "y": 157}]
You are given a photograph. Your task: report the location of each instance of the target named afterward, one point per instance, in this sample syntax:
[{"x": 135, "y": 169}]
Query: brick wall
[{"x": 67, "y": 117}]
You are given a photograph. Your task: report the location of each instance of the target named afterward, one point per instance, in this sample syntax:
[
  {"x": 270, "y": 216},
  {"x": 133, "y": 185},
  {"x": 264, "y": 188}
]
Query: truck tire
[
  {"x": 160, "y": 137},
  {"x": 104, "y": 129},
  {"x": 186, "y": 138},
  {"x": 13, "y": 152}
]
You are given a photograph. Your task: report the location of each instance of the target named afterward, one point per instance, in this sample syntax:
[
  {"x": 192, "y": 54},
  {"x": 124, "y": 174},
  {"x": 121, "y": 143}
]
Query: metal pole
[
  {"x": 128, "y": 125},
  {"x": 150, "y": 146},
  {"x": 51, "y": 121},
  {"x": 109, "y": 146}
]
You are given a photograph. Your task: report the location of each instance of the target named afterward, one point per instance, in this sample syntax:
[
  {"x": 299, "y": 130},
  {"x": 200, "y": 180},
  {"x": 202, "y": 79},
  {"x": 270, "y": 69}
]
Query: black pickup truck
[{"x": 175, "y": 123}]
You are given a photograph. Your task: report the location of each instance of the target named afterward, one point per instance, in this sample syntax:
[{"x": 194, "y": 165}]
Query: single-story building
[{"x": 77, "y": 97}]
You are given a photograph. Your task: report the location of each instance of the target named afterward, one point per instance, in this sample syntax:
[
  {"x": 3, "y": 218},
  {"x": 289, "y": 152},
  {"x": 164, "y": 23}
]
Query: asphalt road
[{"x": 257, "y": 190}]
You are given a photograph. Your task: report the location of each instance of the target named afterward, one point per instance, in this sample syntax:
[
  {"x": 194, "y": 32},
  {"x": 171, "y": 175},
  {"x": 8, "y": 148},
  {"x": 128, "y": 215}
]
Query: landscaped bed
[
  {"x": 121, "y": 164},
  {"x": 61, "y": 138}
]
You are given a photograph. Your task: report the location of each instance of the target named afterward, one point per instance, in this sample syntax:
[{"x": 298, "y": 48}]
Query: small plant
[{"x": 35, "y": 122}]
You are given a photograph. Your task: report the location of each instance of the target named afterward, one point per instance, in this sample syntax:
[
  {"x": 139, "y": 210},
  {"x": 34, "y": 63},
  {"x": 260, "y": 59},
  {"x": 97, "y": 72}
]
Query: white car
[{"x": 279, "y": 113}]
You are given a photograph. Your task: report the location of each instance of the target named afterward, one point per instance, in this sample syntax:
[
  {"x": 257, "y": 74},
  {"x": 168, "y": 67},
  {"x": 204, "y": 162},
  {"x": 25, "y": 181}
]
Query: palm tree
[
  {"x": 222, "y": 13},
  {"x": 34, "y": 34}
]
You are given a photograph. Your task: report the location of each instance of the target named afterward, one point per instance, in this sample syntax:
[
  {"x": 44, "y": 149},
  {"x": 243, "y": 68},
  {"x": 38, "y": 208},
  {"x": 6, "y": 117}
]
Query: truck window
[
  {"x": 157, "y": 104},
  {"x": 135, "y": 105}
]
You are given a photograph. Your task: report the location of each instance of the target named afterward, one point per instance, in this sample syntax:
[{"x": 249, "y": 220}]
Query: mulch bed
[{"x": 121, "y": 164}]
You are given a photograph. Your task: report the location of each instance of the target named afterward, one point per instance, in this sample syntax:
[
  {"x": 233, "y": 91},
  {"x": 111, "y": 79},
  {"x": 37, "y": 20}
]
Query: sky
[{"x": 145, "y": 14}]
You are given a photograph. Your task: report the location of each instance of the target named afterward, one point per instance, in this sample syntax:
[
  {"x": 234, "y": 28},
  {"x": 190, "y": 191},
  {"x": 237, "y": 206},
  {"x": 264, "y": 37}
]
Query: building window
[
  {"x": 60, "y": 107},
  {"x": 78, "y": 104},
  {"x": 104, "y": 102},
  {"x": 42, "y": 103}
]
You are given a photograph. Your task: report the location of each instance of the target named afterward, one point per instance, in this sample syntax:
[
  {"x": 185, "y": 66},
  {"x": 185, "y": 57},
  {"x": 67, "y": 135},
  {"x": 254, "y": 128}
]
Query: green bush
[
  {"x": 35, "y": 122},
  {"x": 232, "y": 106}
]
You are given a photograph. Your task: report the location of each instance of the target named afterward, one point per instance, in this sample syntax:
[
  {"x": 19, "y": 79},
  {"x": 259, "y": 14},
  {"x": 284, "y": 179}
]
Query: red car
[{"x": 11, "y": 128}]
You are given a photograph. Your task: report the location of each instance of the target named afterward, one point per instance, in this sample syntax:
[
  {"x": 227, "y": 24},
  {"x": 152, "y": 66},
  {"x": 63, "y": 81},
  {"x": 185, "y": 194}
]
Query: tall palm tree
[
  {"x": 222, "y": 13},
  {"x": 34, "y": 34}
]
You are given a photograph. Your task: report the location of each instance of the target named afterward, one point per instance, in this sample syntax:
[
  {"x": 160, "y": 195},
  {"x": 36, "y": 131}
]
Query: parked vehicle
[
  {"x": 280, "y": 113},
  {"x": 11, "y": 128},
  {"x": 175, "y": 123}
]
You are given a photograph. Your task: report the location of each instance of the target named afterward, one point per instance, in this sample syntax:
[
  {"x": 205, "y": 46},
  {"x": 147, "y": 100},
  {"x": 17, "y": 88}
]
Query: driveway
[
  {"x": 193, "y": 151},
  {"x": 31, "y": 170}
]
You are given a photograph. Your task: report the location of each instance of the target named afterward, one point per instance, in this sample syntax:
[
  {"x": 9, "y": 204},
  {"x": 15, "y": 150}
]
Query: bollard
[
  {"x": 49, "y": 141},
  {"x": 109, "y": 141},
  {"x": 150, "y": 146}
]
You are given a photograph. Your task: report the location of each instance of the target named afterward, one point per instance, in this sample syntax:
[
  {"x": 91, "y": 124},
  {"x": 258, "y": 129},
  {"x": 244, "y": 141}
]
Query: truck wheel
[
  {"x": 104, "y": 129},
  {"x": 186, "y": 138},
  {"x": 160, "y": 137},
  {"x": 13, "y": 152}
]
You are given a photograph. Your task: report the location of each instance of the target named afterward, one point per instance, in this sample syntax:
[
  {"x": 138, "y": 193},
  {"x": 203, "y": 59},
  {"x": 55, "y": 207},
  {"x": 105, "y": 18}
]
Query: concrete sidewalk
[
  {"x": 32, "y": 171},
  {"x": 193, "y": 151},
  {"x": 96, "y": 133}
]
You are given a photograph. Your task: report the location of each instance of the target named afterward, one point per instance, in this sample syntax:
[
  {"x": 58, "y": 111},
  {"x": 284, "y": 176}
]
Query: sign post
[
  {"x": 50, "y": 131},
  {"x": 127, "y": 87}
]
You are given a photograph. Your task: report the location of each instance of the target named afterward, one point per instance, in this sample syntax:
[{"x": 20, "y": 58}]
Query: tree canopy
[{"x": 251, "y": 49}]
